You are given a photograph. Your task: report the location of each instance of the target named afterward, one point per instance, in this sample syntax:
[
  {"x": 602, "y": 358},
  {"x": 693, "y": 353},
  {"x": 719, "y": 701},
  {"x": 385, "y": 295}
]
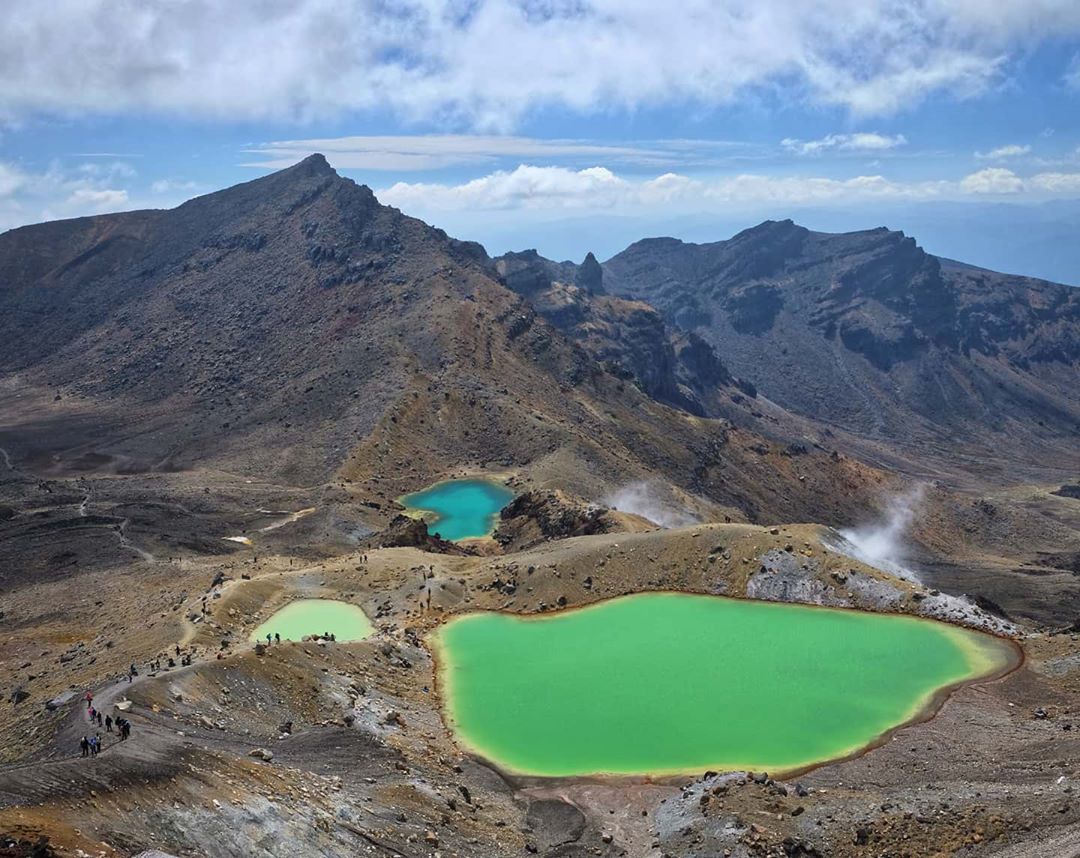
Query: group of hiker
[
  {"x": 91, "y": 746},
  {"x": 156, "y": 665},
  {"x": 276, "y": 638}
]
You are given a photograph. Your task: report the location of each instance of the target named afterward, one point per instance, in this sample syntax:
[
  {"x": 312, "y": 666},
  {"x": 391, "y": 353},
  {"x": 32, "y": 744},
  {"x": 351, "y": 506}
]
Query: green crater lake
[
  {"x": 666, "y": 683},
  {"x": 459, "y": 509},
  {"x": 316, "y": 617}
]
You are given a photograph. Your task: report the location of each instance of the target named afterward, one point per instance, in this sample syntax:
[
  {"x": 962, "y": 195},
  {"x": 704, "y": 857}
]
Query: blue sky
[{"x": 567, "y": 125}]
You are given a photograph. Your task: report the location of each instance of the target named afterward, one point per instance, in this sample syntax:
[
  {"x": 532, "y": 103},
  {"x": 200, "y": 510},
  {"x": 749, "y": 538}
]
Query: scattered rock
[{"x": 261, "y": 754}]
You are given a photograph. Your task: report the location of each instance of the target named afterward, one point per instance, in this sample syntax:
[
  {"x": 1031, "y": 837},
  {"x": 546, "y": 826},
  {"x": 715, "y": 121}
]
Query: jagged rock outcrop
[
  {"x": 537, "y": 515},
  {"x": 407, "y": 532},
  {"x": 630, "y": 338}
]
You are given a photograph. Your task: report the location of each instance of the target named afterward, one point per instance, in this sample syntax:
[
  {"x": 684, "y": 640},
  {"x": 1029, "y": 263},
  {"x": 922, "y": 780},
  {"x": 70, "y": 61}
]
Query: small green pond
[
  {"x": 316, "y": 617},
  {"x": 459, "y": 509},
  {"x": 664, "y": 683}
]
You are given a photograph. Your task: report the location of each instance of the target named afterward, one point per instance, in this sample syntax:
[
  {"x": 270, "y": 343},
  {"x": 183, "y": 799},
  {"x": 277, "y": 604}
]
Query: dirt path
[
  {"x": 288, "y": 519},
  {"x": 131, "y": 546},
  {"x": 151, "y": 749}
]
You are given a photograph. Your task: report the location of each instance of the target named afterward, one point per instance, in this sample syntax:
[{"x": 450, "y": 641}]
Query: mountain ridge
[
  {"x": 863, "y": 334},
  {"x": 866, "y": 332},
  {"x": 294, "y": 328}
]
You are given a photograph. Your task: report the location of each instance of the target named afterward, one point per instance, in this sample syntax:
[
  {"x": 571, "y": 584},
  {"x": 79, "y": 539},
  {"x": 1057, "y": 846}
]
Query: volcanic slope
[
  {"x": 913, "y": 357},
  {"x": 294, "y": 329}
]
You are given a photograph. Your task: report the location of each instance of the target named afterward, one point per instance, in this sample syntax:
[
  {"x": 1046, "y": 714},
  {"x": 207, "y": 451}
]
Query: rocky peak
[
  {"x": 314, "y": 164},
  {"x": 771, "y": 230},
  {"x": 590, "y": 276}
]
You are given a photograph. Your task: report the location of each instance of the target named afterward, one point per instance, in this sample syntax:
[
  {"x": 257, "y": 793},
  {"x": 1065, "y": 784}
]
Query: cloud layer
[
  {"x": 485, "y": 63},
  {"x": 435, "y": 151},
  {"x": 860, "y": 142},
  {"x": 598, "y": 188},
  {"x": 1012, "y": 150},
  {"x": 64, "y": 190}
]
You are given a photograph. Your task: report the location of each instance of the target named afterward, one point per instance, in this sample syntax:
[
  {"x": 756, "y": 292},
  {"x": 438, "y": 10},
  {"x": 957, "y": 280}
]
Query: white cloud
[
  {"x": 993, "y": 180},
  {"x": 532, "y": 187},
  {"x": 486, "y": 63},
  {"x": 859, "y": 142},
  {"x": 598, "y": 189},
  {"x": 525, "y": 187},
  {"x": 1072, "y": 74},
  {"x": 1057, "y": 183},
  {"x": 177, "y": 186},
  {"x": 11, "y": 179},
  {"x": 83, "y": 201},
  {"x": 433, "y": 151},
  {"x": 61, "y": 192},
  {"x": 1003, "y": 152}
]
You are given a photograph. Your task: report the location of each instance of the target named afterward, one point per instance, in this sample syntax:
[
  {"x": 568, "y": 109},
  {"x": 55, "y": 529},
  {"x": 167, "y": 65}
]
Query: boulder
[
  {"x": 554, "y": 822},
  {"x": 261, "y": 754},
  {"x": 60, "y": 700}
]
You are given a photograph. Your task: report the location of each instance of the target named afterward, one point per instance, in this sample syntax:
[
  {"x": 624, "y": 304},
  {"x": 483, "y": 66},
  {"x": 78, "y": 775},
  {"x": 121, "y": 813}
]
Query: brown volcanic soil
[{"x": 984, "y": 774}]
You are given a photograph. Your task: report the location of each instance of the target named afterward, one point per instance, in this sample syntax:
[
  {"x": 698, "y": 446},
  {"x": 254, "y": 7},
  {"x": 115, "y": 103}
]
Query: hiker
[
  {"x": 93, "y": 746},
  {"x": 178, "y": 649},
  {"x": 108, "y": 723},
  {"x": 277, "y": 638},
  {"x": 98, "y": 717},
  {"x": 84, "y": 744},
  {"x": 268, "y": 636},
  {"x": 90, "y": 712},
  {"x": 126, "y": 731},
  {"x": 89, "y": 698}
]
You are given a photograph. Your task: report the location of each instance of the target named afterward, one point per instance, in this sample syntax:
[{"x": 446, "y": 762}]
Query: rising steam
[
  {"x": 645, "y": 499},
  {"x": 883, "y": 543}
]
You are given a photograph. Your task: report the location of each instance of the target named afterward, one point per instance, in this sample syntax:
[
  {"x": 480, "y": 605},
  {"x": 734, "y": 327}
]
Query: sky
[{"x": 567, "y": 125}]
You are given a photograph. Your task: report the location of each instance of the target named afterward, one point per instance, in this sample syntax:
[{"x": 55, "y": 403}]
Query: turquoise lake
[{"x": 459, "y": 509}]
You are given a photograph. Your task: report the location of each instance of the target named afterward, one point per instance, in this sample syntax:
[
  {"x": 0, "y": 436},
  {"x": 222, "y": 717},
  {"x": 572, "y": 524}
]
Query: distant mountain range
[{"x": 294, "y": 325}]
